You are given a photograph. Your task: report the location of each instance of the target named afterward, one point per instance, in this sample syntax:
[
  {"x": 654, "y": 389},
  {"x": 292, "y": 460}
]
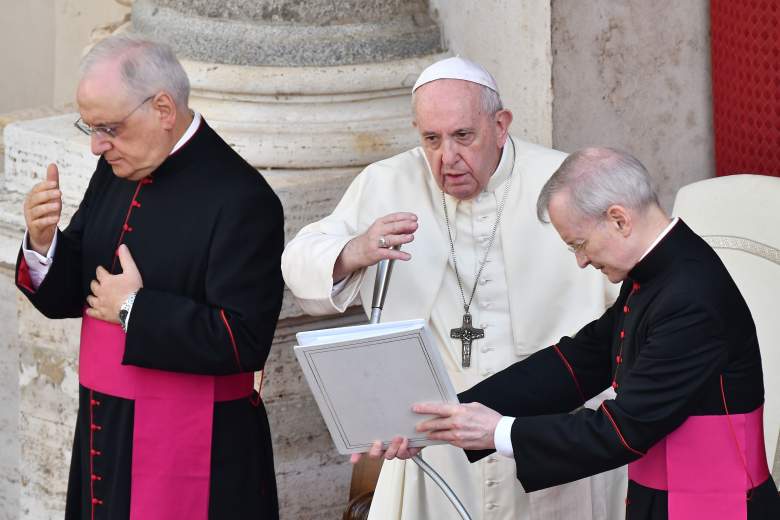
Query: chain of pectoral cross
[{"x": 466, "y": 333}]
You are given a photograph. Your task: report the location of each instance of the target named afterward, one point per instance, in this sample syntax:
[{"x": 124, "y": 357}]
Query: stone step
[{"x": 11, "y": 228}]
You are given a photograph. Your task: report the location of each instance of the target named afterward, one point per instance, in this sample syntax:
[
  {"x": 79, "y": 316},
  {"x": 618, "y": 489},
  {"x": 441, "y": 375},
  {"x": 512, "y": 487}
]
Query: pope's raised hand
[
  {"x": 376, "y": 244},
  {"x": 42, "y": 210}
]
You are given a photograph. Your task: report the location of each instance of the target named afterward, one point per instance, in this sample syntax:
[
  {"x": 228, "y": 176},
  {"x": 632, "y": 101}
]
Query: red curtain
[{"x": 746, "y": 85}]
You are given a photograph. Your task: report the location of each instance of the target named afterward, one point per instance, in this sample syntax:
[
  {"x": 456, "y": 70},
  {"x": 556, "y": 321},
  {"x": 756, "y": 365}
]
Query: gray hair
[
  {"x": 489, "y": 99},
  {"x": 597, "y": 178},
  {"x": 146, "y": 67}
]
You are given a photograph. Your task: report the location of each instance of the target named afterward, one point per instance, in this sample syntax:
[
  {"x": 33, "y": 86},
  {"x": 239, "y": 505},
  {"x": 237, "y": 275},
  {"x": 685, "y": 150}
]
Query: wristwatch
[{"x": 124, "y": 311}]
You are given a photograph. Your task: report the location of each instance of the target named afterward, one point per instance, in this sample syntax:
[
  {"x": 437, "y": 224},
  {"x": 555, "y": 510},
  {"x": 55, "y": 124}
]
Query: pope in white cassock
[{"x": 463, "y": 208}]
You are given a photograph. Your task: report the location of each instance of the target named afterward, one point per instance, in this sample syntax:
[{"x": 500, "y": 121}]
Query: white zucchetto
[{"x": 456, "y": 68}]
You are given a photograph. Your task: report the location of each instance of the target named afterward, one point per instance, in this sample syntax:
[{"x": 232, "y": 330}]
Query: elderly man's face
[
  {"x": 596, "y": 242},
  {"x": 137, "y": 148},
  {"x": 461, "y": 142}
]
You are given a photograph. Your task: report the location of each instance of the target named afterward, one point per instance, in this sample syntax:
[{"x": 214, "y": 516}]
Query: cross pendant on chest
[{"x": 466, "y": 334}]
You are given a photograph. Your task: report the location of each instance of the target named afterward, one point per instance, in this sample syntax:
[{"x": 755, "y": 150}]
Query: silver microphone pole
[{"x": 383, "y": 270}]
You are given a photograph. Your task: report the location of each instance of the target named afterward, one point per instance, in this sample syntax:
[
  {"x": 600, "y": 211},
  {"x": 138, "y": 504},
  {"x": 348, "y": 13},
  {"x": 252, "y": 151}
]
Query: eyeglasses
[
  {"x": 111, "y": 129},
  {"x": 577, "y": 247}
]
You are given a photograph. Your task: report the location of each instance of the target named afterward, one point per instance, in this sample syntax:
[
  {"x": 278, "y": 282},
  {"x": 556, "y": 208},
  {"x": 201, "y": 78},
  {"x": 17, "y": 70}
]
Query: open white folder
[{"x": 365, "y": 379}]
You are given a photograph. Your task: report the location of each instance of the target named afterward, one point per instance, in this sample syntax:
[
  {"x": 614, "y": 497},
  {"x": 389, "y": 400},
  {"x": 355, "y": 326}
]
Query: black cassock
[
  {"x": 678, "y": 324},
  {"x": 206, "y": 232}
]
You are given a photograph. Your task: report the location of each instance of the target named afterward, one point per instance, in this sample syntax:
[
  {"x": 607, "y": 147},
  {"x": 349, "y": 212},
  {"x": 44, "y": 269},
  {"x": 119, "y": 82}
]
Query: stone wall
[
  {"x": 512, "y": 40},
  {"x": 9, "y": 389},
  {"x": 45, "y": 38},
  {"x": 636, "y": 75},
  {"x": 11, "y": 229}
]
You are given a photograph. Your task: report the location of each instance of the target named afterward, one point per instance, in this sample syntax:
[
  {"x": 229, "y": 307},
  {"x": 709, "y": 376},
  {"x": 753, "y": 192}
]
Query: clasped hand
[
  {"x": 109, "y": 291},
  {"x": 469, "y": 426}
]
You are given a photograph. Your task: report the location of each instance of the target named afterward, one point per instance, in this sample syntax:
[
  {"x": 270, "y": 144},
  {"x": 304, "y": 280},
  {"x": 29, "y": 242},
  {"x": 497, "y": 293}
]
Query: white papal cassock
[{"x": 531, "y": 292}]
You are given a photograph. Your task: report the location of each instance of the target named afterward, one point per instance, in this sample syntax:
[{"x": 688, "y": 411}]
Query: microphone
[{"x": 383, "y": 270}]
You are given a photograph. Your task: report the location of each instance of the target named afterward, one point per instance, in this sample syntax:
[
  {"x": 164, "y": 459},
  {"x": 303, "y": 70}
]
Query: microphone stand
[{"x": 383, "y": 270}]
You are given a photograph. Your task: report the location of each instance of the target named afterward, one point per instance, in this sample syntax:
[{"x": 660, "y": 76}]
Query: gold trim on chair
[{"x": 746, "y": 245}]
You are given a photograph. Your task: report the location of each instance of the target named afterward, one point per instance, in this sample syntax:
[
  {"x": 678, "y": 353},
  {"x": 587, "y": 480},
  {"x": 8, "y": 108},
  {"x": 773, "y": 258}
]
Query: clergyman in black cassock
[
  {"x": 683, "y": 324},
  {"x": 679, "y": 347},
  {"x": 206, "y": 233}
]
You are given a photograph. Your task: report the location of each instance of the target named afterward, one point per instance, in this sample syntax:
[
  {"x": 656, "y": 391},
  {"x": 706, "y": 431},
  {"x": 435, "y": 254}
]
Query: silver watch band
[{"x": 125, "y": 310}]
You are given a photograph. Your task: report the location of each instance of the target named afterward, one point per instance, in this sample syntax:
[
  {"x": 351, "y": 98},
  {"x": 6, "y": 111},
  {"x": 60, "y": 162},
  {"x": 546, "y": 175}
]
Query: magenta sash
[
  {"x": 171, "y": 463},
  {"x": 704, "y": 464}
]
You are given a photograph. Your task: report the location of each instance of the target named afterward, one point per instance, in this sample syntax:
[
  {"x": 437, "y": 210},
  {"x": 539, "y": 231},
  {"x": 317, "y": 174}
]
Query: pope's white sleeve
[
  {"x": 502, "y": 437},
  {"x": 309, "y": 258},
  {"x": 307, "y": 266},
  {"x": 38, "y": 265}
]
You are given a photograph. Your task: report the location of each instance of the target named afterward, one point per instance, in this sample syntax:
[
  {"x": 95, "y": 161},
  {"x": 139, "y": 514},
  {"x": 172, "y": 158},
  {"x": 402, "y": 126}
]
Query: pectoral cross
[{"x": 466, "y": 334}]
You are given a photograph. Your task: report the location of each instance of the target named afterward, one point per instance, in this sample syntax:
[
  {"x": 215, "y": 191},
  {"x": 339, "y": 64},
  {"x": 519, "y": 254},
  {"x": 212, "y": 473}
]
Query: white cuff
[
  {"x": 38, "y": 265},
  {"x": 594, "y": 402},
  {"x": 339, "y": 286},
  {"x": 502, "y": 437},
  {"x": 345, "y": 291}
]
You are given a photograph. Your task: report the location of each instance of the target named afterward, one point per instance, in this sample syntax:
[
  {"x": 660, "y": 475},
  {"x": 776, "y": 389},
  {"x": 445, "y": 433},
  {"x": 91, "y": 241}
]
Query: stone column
[
  {"x": 307, "y": 92},
  {"x": 635, "y": 75}
]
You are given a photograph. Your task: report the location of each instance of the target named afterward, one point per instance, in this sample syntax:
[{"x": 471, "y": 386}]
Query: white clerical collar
[
  {"x": 189, "y": 133},
  {"x": 661, "y": 236},
  {"x": 504, "y": 168}
]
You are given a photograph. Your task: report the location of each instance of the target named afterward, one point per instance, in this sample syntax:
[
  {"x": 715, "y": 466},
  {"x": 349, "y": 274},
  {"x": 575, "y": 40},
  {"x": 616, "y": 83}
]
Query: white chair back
[{"x": 739, "y": 216}]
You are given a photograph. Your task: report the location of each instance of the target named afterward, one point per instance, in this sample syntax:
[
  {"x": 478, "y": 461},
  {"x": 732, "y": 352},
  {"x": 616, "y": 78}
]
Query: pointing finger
[
  {"x": 401, "y": 215},
  {"x": 399, "y": 227},
  {"x": 53, "y": 174},
  {"x": 440, "y": 409}
]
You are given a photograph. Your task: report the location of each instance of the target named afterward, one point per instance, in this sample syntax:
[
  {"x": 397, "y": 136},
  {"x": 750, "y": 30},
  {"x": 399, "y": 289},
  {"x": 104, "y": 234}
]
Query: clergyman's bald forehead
[{"x": 145, "y": 66}]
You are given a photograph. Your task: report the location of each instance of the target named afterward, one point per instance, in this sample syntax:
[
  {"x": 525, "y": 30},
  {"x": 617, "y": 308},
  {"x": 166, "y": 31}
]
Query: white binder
[{"x": 365, "y": 379}]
